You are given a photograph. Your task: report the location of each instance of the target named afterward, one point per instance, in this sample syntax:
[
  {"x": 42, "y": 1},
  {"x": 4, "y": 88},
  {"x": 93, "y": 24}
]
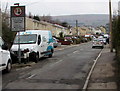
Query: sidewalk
[{"x": 104, "y": 76}]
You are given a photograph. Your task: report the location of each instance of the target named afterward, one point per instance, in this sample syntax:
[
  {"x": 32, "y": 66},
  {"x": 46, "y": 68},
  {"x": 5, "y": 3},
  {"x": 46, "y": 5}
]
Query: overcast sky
[{"x": 64, "y": 7}]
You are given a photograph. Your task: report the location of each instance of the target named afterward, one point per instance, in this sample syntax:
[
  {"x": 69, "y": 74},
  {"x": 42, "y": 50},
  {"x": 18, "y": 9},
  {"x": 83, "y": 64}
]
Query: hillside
[{"x": 87, "y": 19}]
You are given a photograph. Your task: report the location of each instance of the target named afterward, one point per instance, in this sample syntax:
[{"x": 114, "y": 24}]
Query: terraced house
[{"x": 32, "y": 24}]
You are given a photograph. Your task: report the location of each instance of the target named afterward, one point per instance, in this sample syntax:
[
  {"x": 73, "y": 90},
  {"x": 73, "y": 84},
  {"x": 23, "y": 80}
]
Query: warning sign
[
  {"x": 18, "y": 18},
  {"x": 17, "y": 11}
]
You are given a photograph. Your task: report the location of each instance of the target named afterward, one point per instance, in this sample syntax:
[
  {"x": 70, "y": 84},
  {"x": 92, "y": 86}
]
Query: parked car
[
  {"x": 98, "y": 43},
  {"x": 104, "y": 41},
  {"x": 106, "y": 36},
  {"x": 55, "y": 42},
  {"x": 34, "y": 44},
  {"x": 5, "y": 59}
]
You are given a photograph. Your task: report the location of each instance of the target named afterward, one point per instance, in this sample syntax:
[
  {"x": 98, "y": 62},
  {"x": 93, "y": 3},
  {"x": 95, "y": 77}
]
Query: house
[{"x": 42, "y": 25}]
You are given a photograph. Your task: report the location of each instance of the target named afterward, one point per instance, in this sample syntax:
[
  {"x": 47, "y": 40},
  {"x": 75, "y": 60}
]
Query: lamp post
[{"x": 111, "y": 32}]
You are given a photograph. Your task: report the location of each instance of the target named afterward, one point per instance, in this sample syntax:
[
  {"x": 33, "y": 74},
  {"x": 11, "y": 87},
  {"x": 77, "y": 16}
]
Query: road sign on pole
[
  {"x": 17, "y": 18},
  {"x": 18, "y": 23}
]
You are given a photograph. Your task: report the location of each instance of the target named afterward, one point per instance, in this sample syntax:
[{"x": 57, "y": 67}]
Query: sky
[{"x": 63, "y": 7}]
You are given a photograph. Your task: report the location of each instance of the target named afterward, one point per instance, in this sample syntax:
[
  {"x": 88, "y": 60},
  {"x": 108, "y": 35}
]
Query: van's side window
[
  {"x": 44, "y": 39},
  {"x": 39, "y": 39}
]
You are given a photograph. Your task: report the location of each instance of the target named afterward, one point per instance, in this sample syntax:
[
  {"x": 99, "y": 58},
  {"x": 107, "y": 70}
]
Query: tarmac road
[{"x": 67, "y": 69}]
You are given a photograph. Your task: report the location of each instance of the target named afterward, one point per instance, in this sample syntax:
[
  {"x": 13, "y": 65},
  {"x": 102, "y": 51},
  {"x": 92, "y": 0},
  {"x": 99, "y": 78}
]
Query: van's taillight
[{"x": 26, "y": 50}]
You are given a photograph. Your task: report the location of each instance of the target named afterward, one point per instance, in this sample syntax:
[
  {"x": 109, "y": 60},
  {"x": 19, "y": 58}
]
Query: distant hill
[{"x": 86, "y": 19}]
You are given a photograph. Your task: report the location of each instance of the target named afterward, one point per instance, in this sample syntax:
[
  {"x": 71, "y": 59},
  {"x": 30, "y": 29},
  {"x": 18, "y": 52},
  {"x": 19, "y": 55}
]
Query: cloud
[{"x": 66, "y": 7}]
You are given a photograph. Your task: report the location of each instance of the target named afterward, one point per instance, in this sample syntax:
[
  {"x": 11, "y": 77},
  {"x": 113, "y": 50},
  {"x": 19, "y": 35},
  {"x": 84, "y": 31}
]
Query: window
[
  {"x": 44, "y": 39},
  {"x": 26, "y": 39},
  {"x": 39, "y": 39}
]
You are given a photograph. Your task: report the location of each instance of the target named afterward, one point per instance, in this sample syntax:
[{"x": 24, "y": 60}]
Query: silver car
[{"x": 98, "y": 43}]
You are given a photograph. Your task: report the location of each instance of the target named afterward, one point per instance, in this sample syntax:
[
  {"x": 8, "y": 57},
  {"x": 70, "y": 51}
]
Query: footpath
[{"x": 104, "y": 76}]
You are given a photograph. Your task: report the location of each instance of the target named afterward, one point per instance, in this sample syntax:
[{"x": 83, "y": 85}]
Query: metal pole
[
  {"x": 19, "y": 51},
  {"x": 110, "y": 20}
]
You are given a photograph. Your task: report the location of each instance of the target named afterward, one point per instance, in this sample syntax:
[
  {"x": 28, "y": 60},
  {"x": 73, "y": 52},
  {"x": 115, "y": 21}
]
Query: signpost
[
  {"x": 18, "y": 18},
  {"x": 18, "y": 23}
]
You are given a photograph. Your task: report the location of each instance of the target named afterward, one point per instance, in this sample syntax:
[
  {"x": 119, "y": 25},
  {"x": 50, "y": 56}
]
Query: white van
[
  {"x": 34, "y": 44},
  {"x": 5, "y": 59}
]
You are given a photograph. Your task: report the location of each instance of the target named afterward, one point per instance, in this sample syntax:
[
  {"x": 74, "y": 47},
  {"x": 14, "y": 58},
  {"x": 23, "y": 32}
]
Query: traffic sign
[
  {"x": 18, "y": 18},
  {"x": 17, "y": 11}
]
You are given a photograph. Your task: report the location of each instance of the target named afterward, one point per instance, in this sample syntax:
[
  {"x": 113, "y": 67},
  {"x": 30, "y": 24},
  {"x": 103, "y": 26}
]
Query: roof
[{"x": 33, "y": 32}]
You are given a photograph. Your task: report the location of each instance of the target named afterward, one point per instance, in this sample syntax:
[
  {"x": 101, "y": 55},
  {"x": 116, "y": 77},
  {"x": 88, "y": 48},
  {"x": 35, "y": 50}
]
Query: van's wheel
[
  {"x": 50, "y": 55},
  {"x": 36, "y": 57},
  {"x": 102, "y": 47},
  {"x": 9, "y": 66}
]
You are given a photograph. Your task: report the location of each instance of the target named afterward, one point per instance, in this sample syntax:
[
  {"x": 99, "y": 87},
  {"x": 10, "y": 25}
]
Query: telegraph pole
[
  {"x": 77, "y": 27},
  {"x": 111, "y": 32},
  {"x": 0, "y": 20}
]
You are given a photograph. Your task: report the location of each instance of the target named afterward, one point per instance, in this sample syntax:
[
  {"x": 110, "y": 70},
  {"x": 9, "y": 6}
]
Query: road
[{"x": 67, "y": 69}]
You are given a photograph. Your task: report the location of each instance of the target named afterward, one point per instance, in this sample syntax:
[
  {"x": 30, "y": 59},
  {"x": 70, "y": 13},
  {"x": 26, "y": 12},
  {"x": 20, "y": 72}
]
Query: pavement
[{"x": 104, "y": 76}]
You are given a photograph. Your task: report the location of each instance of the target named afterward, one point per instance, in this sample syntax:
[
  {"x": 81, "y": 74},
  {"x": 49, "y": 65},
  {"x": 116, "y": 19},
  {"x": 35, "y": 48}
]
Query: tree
[
  {"x": 47, "y": 18},
  {"x": 7, "y": 35},
  {"x": 64, "y": 24},
  {"x": 36, "y": 17},
  {"x": 30, "y": 15},
  {"x": 61, "y": 36}
]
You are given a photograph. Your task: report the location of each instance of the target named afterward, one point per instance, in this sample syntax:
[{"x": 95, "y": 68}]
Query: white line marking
[
  {"x": 31, "y": 76},
  {"x": 75, "y": 51},
  {"x": 56, "y": 63},
  {"x": 90, "y": 73},
  {"x": 61, "y": 49}
]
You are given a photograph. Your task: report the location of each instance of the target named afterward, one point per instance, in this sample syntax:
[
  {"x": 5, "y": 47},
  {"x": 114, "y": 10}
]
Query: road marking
[
  {"x": 90, "y": 72},
  {"x": 31, "y": 76},
  {"x": 61, "y": 49},
  {"x": 75, "y": 51},
  {"x": 56, "y": 63}
]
